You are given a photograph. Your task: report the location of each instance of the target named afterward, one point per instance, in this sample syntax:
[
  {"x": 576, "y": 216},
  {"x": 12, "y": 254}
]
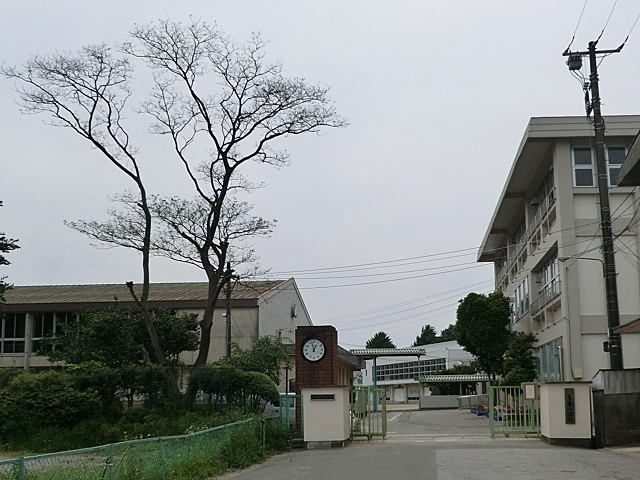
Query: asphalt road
[{"x": 447, "y": 445}]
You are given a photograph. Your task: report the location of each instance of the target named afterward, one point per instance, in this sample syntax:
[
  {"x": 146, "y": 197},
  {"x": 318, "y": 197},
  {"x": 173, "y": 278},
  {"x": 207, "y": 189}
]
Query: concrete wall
[
  {"x": 439, "y": 402},
  {"x": 553, "y": 425},
  {"x": 616, "y": 418}
]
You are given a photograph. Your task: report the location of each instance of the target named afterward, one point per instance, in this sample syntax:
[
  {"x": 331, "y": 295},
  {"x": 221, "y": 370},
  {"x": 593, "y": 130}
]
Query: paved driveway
[{"x": 447, "y": 445}]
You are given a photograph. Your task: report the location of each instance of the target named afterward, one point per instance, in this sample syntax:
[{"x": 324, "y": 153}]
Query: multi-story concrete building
[{"x": 544, "y": 240}]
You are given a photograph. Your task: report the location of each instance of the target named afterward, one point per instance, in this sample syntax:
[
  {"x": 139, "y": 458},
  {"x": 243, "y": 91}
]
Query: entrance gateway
[{"x": 514, "y": 410}]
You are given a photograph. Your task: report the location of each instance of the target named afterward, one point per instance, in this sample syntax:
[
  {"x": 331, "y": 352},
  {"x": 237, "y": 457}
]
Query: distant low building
[
  {"x": 399, "y": 376},
  {"x": 258, "y": 309}
]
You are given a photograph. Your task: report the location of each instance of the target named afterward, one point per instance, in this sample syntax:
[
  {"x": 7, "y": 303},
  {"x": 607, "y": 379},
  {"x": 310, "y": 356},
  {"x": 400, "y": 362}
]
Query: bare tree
[
  {"x": 222, "y": 105},
  {"x": 87, "y": 92},
  {"x": 215, "y": 96}
]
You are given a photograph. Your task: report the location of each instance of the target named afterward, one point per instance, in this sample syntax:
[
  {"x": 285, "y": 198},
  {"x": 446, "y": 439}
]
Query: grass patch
[{"x": 196, "y": 457}]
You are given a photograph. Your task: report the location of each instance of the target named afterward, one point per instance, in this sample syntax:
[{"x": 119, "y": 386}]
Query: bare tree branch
[
  {"x": 87, "y": 92},
  {"x": 221, "y": 103}
]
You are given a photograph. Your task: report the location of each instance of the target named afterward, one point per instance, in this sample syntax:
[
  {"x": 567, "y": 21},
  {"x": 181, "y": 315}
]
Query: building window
[
  {"x": 12, "y": 333},
  {"x": 584, "y": 165},
  {"x": 615, "y": 157},
  {"x": 409, "y": 370},
  {"x": 550, "y": 280},
  {"x": 521, "y": 300},
  {"x": 49, "y": 324},
  {"x": 549, "y": 369}
]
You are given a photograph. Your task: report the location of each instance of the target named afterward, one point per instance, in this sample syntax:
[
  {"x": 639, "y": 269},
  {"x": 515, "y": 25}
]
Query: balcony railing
[
  {"x": 548, "y": 293},
  {"x": 515, "y": 250},
  {"x": 544, "y": 207}
]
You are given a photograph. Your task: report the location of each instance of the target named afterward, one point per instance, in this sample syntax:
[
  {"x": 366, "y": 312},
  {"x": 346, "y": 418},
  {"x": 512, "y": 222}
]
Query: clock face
[{"x": 313, "y": 349}]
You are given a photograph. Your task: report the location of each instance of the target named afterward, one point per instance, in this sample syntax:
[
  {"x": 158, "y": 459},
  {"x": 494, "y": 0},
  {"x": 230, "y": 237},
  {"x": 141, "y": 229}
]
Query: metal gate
[
  {"x": 368, "y": 414},
  {"x": 511, "y": 413}
]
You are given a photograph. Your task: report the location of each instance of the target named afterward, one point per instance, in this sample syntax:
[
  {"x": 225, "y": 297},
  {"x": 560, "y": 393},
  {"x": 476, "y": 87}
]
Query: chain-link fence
[{"x": 165, "y": 458}]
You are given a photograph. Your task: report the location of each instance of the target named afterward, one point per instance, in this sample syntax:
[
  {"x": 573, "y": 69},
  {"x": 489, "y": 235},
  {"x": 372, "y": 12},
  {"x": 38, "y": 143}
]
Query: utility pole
[
  {"x": 611, "y": 286},
  {"x": 228, "y": 274}
]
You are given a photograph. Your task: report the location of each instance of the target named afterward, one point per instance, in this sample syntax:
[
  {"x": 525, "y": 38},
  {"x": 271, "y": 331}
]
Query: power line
[
  {"x": 394, "y": 279},
  {"x": 390, "y": 273},
  {"x": 420, "y": 258},
  {"x": 607, "y": 22},
  {"x": 402, "y": 304},
  {"x": 578, "y": 24},
  {"x": 632, "y": 27},
  {"x": 351, "y": 322},
  {"x": 393, "y": 322},
  {"x": 385, "y": 262}
]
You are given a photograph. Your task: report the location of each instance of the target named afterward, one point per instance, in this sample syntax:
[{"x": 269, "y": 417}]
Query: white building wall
[
  {"x": 597, "y": 358},
  {"x": 578, "y": 319},
  {"x": 631, "y": 349},
  {"x": 281, "y": 311}
]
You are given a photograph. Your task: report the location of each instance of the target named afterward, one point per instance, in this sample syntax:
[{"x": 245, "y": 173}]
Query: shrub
[
  {"x": 48, "y": 399},
  {"x": 238, "y": 387}
]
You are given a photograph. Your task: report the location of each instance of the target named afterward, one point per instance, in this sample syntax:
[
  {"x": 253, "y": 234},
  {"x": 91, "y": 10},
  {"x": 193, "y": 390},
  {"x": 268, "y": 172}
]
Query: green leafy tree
[
  {"x": 116, "y": 337},
  {"x": 447, "y": 334},
  {"x": 380, "y": 340},
  {"x": 6, "y": 245},
  {"x": 268, "y": 355},
  {"x": 481, "y": 328},
  {"x": 519, "y": 362},
  {"x": 427, "y": 336}
]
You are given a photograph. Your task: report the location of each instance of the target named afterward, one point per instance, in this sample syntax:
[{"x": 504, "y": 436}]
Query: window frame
[
  {"x": 593, "y": 167},
  {"x": 59, "y": 320},
  {"x": 521, "y": 300},
  {"x": 13, "y": 340}
]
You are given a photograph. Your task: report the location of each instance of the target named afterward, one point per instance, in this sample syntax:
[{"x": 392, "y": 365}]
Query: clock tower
[{"x": 316, "y": 357}]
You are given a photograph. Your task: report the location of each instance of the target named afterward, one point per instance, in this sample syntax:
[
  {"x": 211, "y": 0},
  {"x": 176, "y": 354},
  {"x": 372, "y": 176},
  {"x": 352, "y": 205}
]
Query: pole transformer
[{"x": 610, "y": 277}]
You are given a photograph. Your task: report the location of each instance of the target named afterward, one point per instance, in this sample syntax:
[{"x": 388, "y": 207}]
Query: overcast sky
[{"x": 438, "y": 95}]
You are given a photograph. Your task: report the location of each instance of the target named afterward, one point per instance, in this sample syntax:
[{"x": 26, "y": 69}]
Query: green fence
[
  {"x": 368, "y": 416},
  {"x": 511, "y": 413},
  {"x": 163, "y": 458}
]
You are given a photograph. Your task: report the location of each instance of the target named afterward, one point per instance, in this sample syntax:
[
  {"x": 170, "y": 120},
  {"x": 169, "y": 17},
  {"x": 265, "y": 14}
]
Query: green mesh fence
[{"x": 165, "y": 458}]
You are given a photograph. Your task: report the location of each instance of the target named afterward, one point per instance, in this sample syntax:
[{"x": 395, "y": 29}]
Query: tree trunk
[{"x": 206, "y": 324}]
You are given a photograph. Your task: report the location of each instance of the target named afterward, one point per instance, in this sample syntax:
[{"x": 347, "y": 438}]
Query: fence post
[
  {"x": 21, "y": 468},
  {"x": 263, "y": 430},
  {"x": 161, "y": 454},
  {"x": 492, "y": 411},
  {"x": 111, "y": 462}
]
